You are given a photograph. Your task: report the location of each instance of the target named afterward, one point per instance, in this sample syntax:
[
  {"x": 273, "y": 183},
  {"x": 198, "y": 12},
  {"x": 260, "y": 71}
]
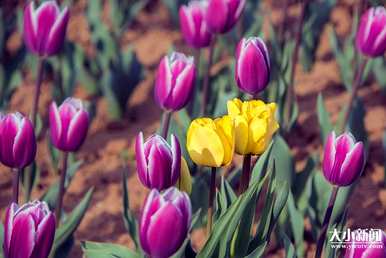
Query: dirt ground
[{"x": 151, "y": 36}]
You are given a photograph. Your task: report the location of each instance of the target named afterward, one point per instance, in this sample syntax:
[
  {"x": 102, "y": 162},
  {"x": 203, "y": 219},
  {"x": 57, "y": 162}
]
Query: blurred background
[{"x": 112, "y": 50}]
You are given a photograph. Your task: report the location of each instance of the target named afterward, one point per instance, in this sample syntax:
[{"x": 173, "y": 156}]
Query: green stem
[
  {"x": 205, "y": 89},
  {"x": 59, "y": 202},
  {"x": 326, "y": 222},
  {"x": 15, "y": 184},
  {"x": 246, "y": 174},
  {"x": 166, "y": 116},
  {"x": 212, "y": 192},
  {"x": 353, "y": 94}
]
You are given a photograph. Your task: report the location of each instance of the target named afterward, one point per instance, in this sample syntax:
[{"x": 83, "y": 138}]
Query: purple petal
[
  {"x": 46, "y": 15},
  {"x": 24, "y": 150},
  {"x": 329, "y": 156},
  {"x": 159, "y": 169},
  {"x": 141, "y": 160},
  {"x": 30, "y": 28},
  {"x": 8, "y": 227},
  {"x": 151, "y": 205},
  {"x": 176, "y": 156},
  {"x": 217, "y": 16},
  {"x": 58, "y": 32},
  {"x": 77, "y": 130},
  {"x": 8, "y": 131},
  {"x": 163, "y": 82},
  {"x": 166, "y": 231},
  {"x": 352, "y": 165},
  {"x": 55, "y": 125},
  {"x": 23, "y": 236},
  {"x": 45, "y": 234}
]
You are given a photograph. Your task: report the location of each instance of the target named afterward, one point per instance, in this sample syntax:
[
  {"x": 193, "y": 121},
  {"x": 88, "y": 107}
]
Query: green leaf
[
  {"x": 225, "y": 226},
  {"x": 289, "y": 247},
  {"x": 325, "y": 124},
  {"x": 1, "y": 238},
  {"x": 72, "y": 222},
  {"x": 107, "y": 250},
  {"x": 284, "y": 162},
  {"x": 261, "y": 164},
  {"x": 297, "y": 225},
  {"x": 129, "y": 219}
]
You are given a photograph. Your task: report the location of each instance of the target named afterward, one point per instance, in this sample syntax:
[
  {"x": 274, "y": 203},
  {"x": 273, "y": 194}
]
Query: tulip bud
[
  {"x": 29, "y": 230},
  {"x": 255, "y": 125},
  {"x": 371, "y": 36},
  {"x": 165, "y": 222},
  {"x": 222, "y": 15},
  {"x": 68, "y": 124},
  {"x": 373, "y": 248},
  {"x": 17, "y": 141},
  {"x": 45, "y": 28},
  {"x": 343, "y": 159},
  {"x": 211, "y": 142},
  {"x": 193, "y": 24},
  {"x": 158, "y": 164},
  {"x": 252, "y": 65},
  {"x": 175, "y": 81}
]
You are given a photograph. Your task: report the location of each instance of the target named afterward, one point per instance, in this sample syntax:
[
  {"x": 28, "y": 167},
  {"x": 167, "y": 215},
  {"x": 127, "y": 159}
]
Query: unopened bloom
[
  {"x": 252, "y": 70},
  {"x": 255, "y": 125},
  {"x": 193, "y": 24},
  {"x": 211, "y": 142},
  {"x": 29, "y": 231},
  {"x": 371, "y": 36},
  {"x": 68, "y": 124},
  {"x": 158, "y": 163},
  {"x": 375, "y": 247},
  {"x": 343, "y": 159},
  {"x": 17, "y": 141},
  {"x": 175, "y": 81},
  {"x": 222, "y": 15},
  {"x": 45, "y": 28},
  {"x": 165, "y": 222}
]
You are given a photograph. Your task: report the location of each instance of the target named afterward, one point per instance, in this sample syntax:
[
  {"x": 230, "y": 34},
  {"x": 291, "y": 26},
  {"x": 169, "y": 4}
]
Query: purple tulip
[
  {"x": 193, "y": 24},
  {"x": 375, "y": 248},
  {"x": 29, "y": 230},
  {"x": 222, "y": 15},
  {"x": 252, "y": 65},
  {"x": 371, "y": 36},
  {"x": 68, "y": 124},
  {"x": 175, "y": 81},
  {"x": 343, "y": 159},
  {"x": 165, "y": 222},
  {"x": 45, "y": 28},
  {"x": 17, "y": 141},
  {"x": 158, "y": 164}
]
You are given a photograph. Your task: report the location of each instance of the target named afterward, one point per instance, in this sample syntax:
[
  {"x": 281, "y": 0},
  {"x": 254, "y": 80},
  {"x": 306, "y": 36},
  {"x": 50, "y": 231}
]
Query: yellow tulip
[
  {"x": 184, "y": 183},
  {"x": 255, "y": 125},
  {"x": 211, "y": 142}
]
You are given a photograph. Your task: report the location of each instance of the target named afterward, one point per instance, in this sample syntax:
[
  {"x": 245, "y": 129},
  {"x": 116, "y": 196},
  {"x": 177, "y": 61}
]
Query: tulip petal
[
  {"x": 23, "y": 236},
  {"x": 55, "y": 125},
  {"x": 8, "y": 131},
  {"x": 176, "y": 157},
  {"x": 226, "y": 132},
  {"x": 46, "y": 15},
  {"x": 8, "y": 227},
  {"x": 217, "y": 16},
  {"x": 352, "y": 165},
  {"x": 141, "y": 160},
  {"x": 163, "y": 82},
  {"x": 58, "y": 32},
  {"x": 258, "y": 129},
  {"x": 183, "y": 86},
  {"x": 241, "y": 135},
  {"x": 329, "y": 156},
  {"x": 25, "y": 144},
  {"x": 77, "y": 130},
  {"x": 151, "y": 205},
  {"x": 44, "y": 237},
  {"x": 30, "y": 27},
  {"x": 166, "y": 231}
]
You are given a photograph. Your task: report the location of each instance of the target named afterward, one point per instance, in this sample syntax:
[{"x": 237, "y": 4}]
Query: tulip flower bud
[
  {"x": 158, "y": 164},
  {"x": 255, "y": 125},
  {"x": 252, "y": 65},
  {"x": 175, "y": 81},
  {"x": 372, "y": 248},
  {"x": 45, "y": 28},
  {"x": 222, "y": 15},
  {"x": 371, "y": 36},
  {"x": 29, "y": 230},
  {"x": 343, "y": 159},
  {"x": 68, "y": 124},
  {"x": 211, "y": 142},
  {"x": 17, "y": 141},
  {"x": 193, "y": 24},
  {"x": 165, "y": 222}
]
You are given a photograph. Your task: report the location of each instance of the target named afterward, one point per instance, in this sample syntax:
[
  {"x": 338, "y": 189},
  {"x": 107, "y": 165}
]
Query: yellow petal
[
  {"x": 257, "y": 133},
  {"x": 241, "y": 135},
  {"x": 225, "y": 130},
  {"x": 203, "y": 143},
  {"x": 234, "y": 107},
  {"x": 184, "y": 183}
]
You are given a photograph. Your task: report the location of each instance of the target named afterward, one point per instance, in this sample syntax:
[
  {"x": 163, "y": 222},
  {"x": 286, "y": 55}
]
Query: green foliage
[{"x": 105, "y": 250}]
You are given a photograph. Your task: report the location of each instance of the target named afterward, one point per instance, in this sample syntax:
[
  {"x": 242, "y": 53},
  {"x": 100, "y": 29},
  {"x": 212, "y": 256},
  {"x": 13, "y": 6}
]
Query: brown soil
[{"x": 152, "y": 36}]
